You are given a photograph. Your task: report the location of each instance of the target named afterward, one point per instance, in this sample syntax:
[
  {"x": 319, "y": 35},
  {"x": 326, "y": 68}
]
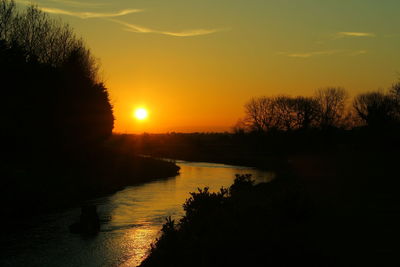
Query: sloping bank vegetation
[
  {"x": 57, "y": 120},
  {"x": 245, "y": 225},
  {"x": 331, "y": 211}
]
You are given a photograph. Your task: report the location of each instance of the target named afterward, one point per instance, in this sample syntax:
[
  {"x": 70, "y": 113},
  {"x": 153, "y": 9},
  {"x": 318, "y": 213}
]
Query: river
[{"x": 131, "y": 221}]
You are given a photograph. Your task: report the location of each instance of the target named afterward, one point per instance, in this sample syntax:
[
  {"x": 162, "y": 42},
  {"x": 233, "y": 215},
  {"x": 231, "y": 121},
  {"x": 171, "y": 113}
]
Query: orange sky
[{"x": 194, "y": 64}]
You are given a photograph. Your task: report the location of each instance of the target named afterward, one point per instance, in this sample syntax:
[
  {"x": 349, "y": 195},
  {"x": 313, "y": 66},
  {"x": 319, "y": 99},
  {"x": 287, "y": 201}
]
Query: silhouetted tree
[
  {"x": 42, "y": 38},
  {"x": 331, "y": 107},
  {"x": 299, "y": 113},
  {"x": 50, "y": 85},
  {"x": 376, "y": 109},
  {"x": 281, "y": 113},
  {"x": 395, "y": 92},
  {"x": 306, "y": 109},
  {"x": 7, "y": 13},
  {"x": 260, "y": 114}
]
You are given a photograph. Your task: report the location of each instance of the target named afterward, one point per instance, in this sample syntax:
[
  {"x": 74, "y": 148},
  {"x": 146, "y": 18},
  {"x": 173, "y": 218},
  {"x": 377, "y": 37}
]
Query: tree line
[
  {"x": 327, "y": 109},
  {"x": 52, "y": 95}
]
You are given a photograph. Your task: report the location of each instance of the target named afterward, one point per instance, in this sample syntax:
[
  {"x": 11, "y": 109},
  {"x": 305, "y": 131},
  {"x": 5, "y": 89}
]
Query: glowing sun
[{"x": 141, "y": 114}]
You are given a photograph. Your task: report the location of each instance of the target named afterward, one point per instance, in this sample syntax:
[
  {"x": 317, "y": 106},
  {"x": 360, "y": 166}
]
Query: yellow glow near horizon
[{"x": 141, "y": 114}]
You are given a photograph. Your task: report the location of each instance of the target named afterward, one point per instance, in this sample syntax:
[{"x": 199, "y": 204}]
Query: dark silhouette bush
[
  {"x": 377, "y": 110},
  {"x": 247, "y": 225}
]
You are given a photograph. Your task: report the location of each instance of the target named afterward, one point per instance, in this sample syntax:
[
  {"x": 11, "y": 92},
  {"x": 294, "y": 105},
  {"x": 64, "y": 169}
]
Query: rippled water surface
[{"x": 132, "y": 219}]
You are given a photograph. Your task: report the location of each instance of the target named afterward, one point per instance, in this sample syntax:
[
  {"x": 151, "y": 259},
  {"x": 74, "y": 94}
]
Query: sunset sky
[{"x": 193, "y": 64}]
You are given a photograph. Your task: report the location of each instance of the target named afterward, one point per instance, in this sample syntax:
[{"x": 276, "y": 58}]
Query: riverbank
[
  {"x": 223, "y": 148},
  {"x": 336, "y": 209},
  {"x": 63, "y": 181}
]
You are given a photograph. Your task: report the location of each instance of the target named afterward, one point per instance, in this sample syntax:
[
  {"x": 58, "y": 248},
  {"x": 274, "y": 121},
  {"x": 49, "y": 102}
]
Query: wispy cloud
[
  {"x": 133, "y": 27},
  {"x": 89, "y": 15},
  {"x": 324, "y": 53},
  {"x": 354, "y": 34},
  {"x": 188, "y": 33},
  {"x": 310, "y": 54},
  {"x": 109, "y": 16}
]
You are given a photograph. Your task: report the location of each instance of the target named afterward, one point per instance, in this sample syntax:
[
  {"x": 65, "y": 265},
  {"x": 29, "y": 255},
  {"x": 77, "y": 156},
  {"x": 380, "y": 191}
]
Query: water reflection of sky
[{"x": 132, "y": 220}]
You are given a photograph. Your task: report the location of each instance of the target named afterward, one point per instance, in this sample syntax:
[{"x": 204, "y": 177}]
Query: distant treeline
[{"x": 328, "y": 109}]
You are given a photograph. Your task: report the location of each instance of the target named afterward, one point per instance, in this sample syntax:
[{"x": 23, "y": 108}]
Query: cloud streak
[
  {"x": 311, "y": 54},
  {"x": 128, "y": 26},
  {"x": 355, "y": 34},
  {"x": 88, "y": 15},
  {"x": 323, "y": 53},
  {"x": 188, "y": 33}
]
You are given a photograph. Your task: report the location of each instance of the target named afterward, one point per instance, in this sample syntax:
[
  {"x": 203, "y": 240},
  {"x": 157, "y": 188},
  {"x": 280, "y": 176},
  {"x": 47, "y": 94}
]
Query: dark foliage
[
  {"x": 247, "y": 225},
  {"x": 284, "y": 113},
  {"x": 326, "y": 112},
  {"x": 378, "y": 110},
  {"x": 51, "y": 97},
  {"x": 334, "y": 209}
]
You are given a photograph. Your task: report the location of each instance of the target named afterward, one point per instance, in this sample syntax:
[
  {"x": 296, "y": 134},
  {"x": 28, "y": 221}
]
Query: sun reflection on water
[{"x": 137, "y": 241}]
